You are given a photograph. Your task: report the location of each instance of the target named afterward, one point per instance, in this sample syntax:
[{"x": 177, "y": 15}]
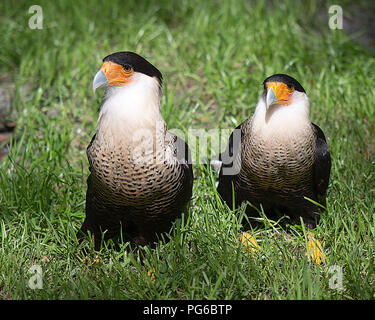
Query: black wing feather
[
  {"x": 226, "y": 181},
  {"x": 184, "y": 158},
  {"x": 322, "y": 163}
]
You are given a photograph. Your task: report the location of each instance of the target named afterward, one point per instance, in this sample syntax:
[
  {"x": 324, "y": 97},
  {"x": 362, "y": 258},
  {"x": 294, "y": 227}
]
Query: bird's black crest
[
  {"x": 138, "y": 63},
  {"x": 284, "y": 78}
]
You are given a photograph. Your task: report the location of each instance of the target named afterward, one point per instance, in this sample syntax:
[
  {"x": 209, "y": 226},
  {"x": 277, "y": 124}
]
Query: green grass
[{"x": 214, "y": 56}]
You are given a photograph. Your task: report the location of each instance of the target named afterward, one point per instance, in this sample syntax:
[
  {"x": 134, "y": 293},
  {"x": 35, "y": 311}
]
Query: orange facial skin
[
  {"x": 116, "y": 74},
  {"x": 282, "y": 92}
]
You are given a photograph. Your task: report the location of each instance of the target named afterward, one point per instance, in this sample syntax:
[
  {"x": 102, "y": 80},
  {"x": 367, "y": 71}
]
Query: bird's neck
[
  {"x": 130, "y": 110},
  {"x": 281, "y": 121}
]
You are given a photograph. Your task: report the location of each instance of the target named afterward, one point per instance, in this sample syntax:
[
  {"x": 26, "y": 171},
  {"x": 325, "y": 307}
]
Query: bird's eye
[{"x": 128, "y": 68}]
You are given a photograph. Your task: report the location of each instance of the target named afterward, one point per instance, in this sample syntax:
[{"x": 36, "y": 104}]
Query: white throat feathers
[
  {"x": 281, "y": 120},
  {"x": 130, "y": 107},
  {"x": 130, "y": 120}
]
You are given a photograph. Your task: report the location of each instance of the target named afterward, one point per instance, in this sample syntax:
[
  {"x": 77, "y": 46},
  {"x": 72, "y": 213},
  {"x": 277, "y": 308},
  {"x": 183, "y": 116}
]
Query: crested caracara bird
[
  {"x": 141, "y": 176},
  {"x": 279, "y": 158}
]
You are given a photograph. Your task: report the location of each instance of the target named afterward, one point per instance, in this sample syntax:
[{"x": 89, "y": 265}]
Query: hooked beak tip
[
  {"x": 271, "y": 98},
  {"x": 100, "y": 80}
]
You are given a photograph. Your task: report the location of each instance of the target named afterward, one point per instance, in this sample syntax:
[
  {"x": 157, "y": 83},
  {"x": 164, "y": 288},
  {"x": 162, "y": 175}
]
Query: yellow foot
[
  {"x": 151, "y": 274},
  {"x": 315, "y": 250},
  {"x": 89, "y": 262},
  {"x": 249, "y": 242}
]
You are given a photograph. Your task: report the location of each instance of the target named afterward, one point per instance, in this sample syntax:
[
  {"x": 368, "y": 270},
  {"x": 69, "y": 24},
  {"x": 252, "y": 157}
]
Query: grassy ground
[{"x": 214, "y": 56}]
